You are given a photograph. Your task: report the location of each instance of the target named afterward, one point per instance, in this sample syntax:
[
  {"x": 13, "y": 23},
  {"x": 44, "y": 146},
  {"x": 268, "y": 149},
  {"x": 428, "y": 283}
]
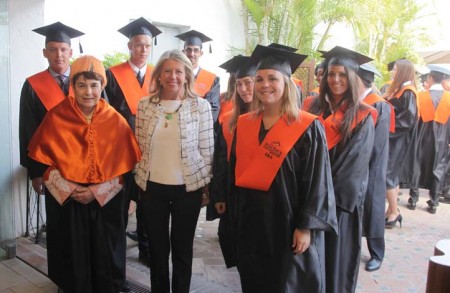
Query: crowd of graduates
[{"x": 297, "y": 180}]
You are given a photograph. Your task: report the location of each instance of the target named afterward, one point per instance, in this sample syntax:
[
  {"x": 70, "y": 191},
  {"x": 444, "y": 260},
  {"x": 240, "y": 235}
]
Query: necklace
[{"x": 169, "y": 115}]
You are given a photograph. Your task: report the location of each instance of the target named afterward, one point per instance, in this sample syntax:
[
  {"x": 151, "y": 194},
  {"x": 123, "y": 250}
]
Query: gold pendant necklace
[{"x": 169, "y": 115}]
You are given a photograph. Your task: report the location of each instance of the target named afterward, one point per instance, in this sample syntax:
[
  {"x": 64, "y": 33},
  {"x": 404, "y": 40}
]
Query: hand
[
  {"x": 221, "y": 207},
  {"x": 205, "y": 195},
  {"x": 38, "y": 185},
  {"x": 82, "y": 195},
  {"x": 301, "y": 240}
]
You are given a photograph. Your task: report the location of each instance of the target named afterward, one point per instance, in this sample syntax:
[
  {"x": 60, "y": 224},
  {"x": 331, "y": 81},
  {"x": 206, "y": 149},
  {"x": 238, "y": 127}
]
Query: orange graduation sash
[
  {"x": 427, "y": 111},
  {"x": 257, "y": 164},
  {"x": 129, "y": 84},
  {"x": 204, "y": 82},
  {"x": 332, "y": 123},
  {"x": 47, "y": 89},
  {"x": 225, "y": 107},
  {"x": 373, "y": 98},
  {"x": 227, "y": 134}
]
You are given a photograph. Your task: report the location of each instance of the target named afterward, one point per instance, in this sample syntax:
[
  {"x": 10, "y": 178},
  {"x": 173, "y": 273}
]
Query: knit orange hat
[{"x": 88, "y": 63}]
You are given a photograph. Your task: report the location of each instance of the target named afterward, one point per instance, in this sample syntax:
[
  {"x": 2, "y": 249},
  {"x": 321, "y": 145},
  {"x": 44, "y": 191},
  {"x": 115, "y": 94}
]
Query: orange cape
[
  {"x": 373, "y": 98},
  {"x": 82, "y": 152}
]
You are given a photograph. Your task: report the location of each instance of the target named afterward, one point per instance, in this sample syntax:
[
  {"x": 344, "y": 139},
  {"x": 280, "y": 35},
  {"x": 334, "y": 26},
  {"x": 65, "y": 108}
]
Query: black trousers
[
  {"x": 162, "y": 204},
  {"x": 376, "y": 247}
]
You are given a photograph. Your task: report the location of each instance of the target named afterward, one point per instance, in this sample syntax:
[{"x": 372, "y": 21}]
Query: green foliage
[{"x": 114, "y": 59}]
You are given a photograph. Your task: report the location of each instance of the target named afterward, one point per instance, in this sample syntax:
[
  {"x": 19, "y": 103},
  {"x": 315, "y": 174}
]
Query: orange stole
[
  {"x": 373, "y": 98},
  {"x": 257, "y": 164},
  {"x": 332, "y": 123},
  {"x": 204, "y": 82},
  {"x": 129, "y": 84},
  {"x": 227, "y": 134},
  {"x": 47, "y": 89},
  {"x": 82, "y": 152},
  {"x": 225, "y": 107},
  {"x": 427, "y": 111}
]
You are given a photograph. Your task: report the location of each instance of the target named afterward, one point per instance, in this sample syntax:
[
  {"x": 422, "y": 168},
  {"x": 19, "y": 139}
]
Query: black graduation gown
[
  {"x": 432, "y": 151},
  {"x": 116, "y": 98},
  {"x": 213, "y": 97},
  {"x": 31, "y": 114},
  {"x": 400, "y": 142},
  {"x": 374, "y": 203},
  {"x": 350, "y": 169},
  {"x": 265, "y": 221}
]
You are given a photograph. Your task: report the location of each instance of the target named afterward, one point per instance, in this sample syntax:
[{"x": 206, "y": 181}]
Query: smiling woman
[{"x": 75, "y": 153}]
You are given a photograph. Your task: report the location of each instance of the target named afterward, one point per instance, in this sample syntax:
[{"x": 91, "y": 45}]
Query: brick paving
[{"x": 404, "y": 268}]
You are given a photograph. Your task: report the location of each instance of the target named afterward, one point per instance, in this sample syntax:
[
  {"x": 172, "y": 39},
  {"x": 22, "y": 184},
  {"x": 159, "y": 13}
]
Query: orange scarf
[
  {"x": 126, "y": 78},
  {"x": 333, "y": 122},
  {"x": 258, "y": 164},
  {"x": 47, "y": 89},
  {"x": 427, "y": 111},
  {"x": 373, "y": 98},
  {"x": 82, "y": 152}
]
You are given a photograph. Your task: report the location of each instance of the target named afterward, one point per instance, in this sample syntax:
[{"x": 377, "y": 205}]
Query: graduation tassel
[
  {"x": 210, "y": 49},
  {"x": 80, "y": 47},
  {"x": 156, "y": 42}
]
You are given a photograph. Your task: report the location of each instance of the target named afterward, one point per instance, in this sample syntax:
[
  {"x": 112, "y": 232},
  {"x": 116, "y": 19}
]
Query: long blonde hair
[
  {"x": 289, "y": 101},
  {"x": 155, "y": 84}
]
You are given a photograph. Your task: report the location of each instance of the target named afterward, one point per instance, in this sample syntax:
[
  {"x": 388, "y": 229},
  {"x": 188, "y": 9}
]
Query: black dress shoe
[
  {"x": 431, "y": 209},
  {"x": 132, "y": 235},
  {"x": 445, "y": 200},
  {"x": 373, "y": 264},
  {"x": 125, "y": 287},
  {"x": 144, "y": 258},
  {"x": 411, "y": 206}
]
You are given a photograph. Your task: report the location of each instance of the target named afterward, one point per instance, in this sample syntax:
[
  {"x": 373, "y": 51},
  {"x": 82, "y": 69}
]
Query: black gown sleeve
[{"x": 213, "y": 97}]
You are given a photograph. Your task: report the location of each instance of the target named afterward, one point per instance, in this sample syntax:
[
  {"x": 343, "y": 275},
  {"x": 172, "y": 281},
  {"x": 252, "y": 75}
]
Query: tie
[
  {"x": 140, "y": 78},
  {"x": 61, "y": 81}
]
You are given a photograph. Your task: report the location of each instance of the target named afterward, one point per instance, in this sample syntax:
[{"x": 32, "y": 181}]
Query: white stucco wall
[
  {"x": 25, "y": 59},
  {"x": 99, "y": 20}
]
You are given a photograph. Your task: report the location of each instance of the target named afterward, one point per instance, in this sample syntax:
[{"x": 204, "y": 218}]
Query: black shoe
[
  {"x": 431, "y": 209},
  {"x": 132, "y": 235},
  {"x": 445, "y": 200},
  {"x": 125, "y": 287},
  {"x": 144, "y": 258},
  {"x": 411, "y": 204},
  {"x": 373, "y": 264},
  {"x": 391, "y": 224}
]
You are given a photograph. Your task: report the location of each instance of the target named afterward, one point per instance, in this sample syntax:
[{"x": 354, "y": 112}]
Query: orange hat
[{"x": 88, "y": 63}]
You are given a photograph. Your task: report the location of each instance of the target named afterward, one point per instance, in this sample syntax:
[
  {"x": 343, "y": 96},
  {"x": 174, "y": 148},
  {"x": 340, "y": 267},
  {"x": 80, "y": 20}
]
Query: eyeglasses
[{"x": 192, "y": 50}]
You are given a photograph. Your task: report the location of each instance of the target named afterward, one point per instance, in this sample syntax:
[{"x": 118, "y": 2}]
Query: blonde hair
[
  {"x": 155, "y": 84},
  {"x": 289, "y": 101}
]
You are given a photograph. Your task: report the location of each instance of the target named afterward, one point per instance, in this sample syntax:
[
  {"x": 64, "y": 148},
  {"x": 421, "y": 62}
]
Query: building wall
[{"x": 99, "y": 20}]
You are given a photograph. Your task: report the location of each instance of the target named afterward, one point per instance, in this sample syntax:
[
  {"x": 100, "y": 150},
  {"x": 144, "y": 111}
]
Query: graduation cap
[
  {"x": 194, "y": 38},
  {"x": 368, "y": 71},
  {"x": 441, "y": 68},
  {"x": 58, "y": 32},
  {"x": 283, "y": 47},
  {"x": 240, "y": 65},
  {"x": 140, "y": 26},
  {"x": 273, "y": 58},
  {"x": 390, "y": 65},
  {"x": 345, "y": 57}
]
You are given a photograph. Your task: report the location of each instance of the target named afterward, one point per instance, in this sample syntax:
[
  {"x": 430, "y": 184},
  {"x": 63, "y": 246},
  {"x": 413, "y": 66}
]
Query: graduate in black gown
[
  {"x": 401, "y": 94},
  {"x": 281, "y": 196},
  {"x": 349, "y": 126},
  {"x": 433, "y": 137},
  {"x": 244, "y": 81},
  {"x": 375, "y": 201}
]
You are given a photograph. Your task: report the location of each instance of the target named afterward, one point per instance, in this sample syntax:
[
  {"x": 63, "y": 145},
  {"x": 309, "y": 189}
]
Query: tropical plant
[{"x": 114, "y": 59}]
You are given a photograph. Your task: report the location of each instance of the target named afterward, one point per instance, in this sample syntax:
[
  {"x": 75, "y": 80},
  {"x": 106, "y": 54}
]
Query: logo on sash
[{"x": 273, "y": 149}]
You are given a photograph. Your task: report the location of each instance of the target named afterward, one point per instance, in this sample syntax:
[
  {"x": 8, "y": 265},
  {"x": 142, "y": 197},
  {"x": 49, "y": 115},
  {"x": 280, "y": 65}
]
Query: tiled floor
[{"x": 404, "y": 268}]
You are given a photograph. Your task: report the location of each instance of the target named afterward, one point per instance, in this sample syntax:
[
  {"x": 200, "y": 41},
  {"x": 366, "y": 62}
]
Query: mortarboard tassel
[{"x": 80, "y": 47}]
